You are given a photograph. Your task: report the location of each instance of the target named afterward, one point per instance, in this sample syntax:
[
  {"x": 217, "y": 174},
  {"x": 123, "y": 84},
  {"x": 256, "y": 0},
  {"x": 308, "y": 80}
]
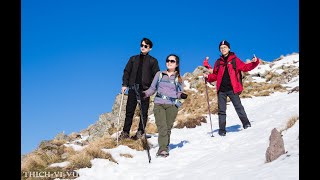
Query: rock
[{"x": 276, "y": 146}]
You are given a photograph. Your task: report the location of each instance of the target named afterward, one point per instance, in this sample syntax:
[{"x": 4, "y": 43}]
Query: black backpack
[{"x": 235, "y": 68}]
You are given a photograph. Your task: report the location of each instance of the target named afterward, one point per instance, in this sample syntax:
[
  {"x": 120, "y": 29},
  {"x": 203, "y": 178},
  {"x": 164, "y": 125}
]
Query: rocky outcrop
[{"x": 276, "y": 146}]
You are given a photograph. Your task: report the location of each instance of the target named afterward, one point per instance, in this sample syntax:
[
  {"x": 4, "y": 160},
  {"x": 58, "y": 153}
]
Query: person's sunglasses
[
  {"x": 145, "y": 46},
  {"x": 172, "y": 61}
]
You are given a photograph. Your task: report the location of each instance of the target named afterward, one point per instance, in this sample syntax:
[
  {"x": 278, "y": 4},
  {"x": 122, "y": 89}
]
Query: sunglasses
[
  {"x": 172, "y": 61},
  {"x": 145, "y": 46}
]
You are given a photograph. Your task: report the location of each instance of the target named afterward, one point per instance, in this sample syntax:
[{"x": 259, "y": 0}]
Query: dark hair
[
  {"x": 147, "y": 41},
  {"x": 178, "y": 66}
]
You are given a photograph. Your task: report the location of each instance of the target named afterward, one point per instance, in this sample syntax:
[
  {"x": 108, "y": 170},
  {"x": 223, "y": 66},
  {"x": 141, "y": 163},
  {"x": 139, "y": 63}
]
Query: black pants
[
  {"x": 130, "y": 108},
  {"x": 222, "y": 107}
]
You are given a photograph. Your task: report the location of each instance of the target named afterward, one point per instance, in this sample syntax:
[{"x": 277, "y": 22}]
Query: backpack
[{"x": 233, "y": 62}]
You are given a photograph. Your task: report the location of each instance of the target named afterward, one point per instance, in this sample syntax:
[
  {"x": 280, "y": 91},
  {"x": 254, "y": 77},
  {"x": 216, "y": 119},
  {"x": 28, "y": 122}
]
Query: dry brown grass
[
  {"x": 278, "y": 87},
  {"x": 190, "y": 122},
  {"x": 33, "y": 162},
  {"x": 260, "y": 89},
  {"x": 104, "y": 142},
  {"x": 263, "y": 93},
  {"x": 96, "y": 152},
  {"x": 268, "y": 77},
  {"x": 80, "y": 160},
  {"x": 70, "y": 151},
  {"x": 58, "y": 142},
  {"x": 112, "y": 129},
  {"x": 244, "y": 95},
  {"x": 126, "y": 155},
  {"x": 196, "y": 103},
  {"x": 133, "y": 144},
  {"x": 83, "y": 158},
  {"x": 290, "y": 123},
  {"x": 38, "y": 160},
  {"x": 151, "y": 128}
]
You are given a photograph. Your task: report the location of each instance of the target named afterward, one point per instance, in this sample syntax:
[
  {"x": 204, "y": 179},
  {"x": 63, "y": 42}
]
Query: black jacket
[{"x": 149, "y": 68}]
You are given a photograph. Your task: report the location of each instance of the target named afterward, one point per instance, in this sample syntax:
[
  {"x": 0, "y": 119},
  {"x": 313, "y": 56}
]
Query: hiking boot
[
  {"x": 163, "y": 153},
  {"x": 246, "y": 125},
  {"x": 123, "y": 135},
  {"x": 222, "y": 132},
  {"x": 138, "y": 135}
]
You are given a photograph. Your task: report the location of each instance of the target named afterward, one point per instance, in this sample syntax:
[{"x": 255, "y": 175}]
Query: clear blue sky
[{"x": 73, "y": 52}]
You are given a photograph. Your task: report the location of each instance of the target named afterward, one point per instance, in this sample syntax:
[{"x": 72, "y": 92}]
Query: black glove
[
  {"x": 183, "y": 96},
  {"x": 143, "y": 95}
]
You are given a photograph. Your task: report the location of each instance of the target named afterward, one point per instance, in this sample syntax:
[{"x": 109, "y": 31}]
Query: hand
[
  {"x": 143, "y": 95},
  {"x": 254, "y": 59},
  {"x": 183, "y": 96},
  {"x": 123, "y": 89},
  {"x": 210, "y": 71},
  {"x": 205, "y": 76}
]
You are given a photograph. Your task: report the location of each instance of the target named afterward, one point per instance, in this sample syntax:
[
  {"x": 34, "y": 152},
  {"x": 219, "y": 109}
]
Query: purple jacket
[{"x": 165, "y": 88}]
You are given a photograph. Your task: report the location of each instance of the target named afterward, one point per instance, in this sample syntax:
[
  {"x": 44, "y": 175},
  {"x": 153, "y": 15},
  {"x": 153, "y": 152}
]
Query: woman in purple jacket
[{"x": 168, "y": 85}]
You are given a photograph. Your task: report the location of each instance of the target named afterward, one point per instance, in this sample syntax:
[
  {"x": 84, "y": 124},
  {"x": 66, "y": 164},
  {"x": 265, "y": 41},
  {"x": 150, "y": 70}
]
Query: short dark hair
[{"x": 147, "y": 41}]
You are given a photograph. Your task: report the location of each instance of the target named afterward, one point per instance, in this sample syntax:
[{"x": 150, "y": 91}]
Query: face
[
  {"x": 171, "y": 63},
  {"x": 144, "y": 48},
  {"x": 224, "y": 49}
]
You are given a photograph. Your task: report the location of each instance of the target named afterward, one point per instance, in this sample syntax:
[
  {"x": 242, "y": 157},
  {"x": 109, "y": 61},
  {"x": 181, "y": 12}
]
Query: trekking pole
[
  {"x": 119, "y": 116},
  {"x": 136, "y": 87},
  {"x": 205, "y": 80}
]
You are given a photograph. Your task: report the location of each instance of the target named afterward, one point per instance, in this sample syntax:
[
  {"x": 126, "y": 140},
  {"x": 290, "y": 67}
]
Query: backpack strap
[
  {"x": 234, "y": 67},
  {"x": 159, "y": 79},
  {"x": 235, "y": 70},
  {"x": 176, "y": 83},
  {"x": 234, "y": 64}
]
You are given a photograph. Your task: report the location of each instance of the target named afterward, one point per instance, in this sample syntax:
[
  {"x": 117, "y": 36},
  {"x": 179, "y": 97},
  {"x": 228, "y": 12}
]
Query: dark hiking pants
[
  {"x": 131, "y": 107},
  {"x": 222, "y": 107}
]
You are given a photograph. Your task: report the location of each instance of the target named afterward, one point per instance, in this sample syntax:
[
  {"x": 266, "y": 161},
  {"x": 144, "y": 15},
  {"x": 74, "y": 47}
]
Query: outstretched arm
[
  {"x": 249, "y": 66},
  {"x": 152, "y": 89}
]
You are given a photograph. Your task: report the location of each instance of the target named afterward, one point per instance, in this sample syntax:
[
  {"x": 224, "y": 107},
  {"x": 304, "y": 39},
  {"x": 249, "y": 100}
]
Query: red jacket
[{"x": 234, "y": 76}]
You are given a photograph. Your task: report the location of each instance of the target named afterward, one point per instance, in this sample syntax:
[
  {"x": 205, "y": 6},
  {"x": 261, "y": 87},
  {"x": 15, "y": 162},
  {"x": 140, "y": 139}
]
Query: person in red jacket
[{"x": 228, "y": 83}]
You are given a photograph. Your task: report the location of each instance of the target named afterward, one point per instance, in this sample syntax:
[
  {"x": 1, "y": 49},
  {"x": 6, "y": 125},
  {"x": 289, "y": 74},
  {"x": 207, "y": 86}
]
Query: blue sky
[{"x": 73, "y": 52}]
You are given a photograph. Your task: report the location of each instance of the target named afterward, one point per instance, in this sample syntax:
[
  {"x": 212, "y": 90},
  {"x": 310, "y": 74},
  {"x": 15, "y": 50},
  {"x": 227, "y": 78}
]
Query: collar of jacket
[
  {"x": 143, "y": 54},
  {"x": 231, "y": 56},
  {"x": 166, "y": 72}
]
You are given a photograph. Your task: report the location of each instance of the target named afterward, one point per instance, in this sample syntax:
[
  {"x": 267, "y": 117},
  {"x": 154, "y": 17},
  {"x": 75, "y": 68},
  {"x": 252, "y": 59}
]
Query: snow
[
  {"x": 293, "y": 83},
  {"x": 258, "y": 79},
  {"x": 61, "y": 164},
  {"x": 187, "y": 84},
  {"x": 195, "y": 154},
  {"x": 290, "y": 60}
]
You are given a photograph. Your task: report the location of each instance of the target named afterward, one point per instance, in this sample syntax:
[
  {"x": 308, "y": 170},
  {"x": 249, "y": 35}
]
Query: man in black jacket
[{"x": 140, "y": 70}]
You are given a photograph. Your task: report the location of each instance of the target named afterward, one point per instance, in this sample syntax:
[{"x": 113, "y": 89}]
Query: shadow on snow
[
  {"x": 233, "y": 128},
  {"x": 179, "y": 145}
]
